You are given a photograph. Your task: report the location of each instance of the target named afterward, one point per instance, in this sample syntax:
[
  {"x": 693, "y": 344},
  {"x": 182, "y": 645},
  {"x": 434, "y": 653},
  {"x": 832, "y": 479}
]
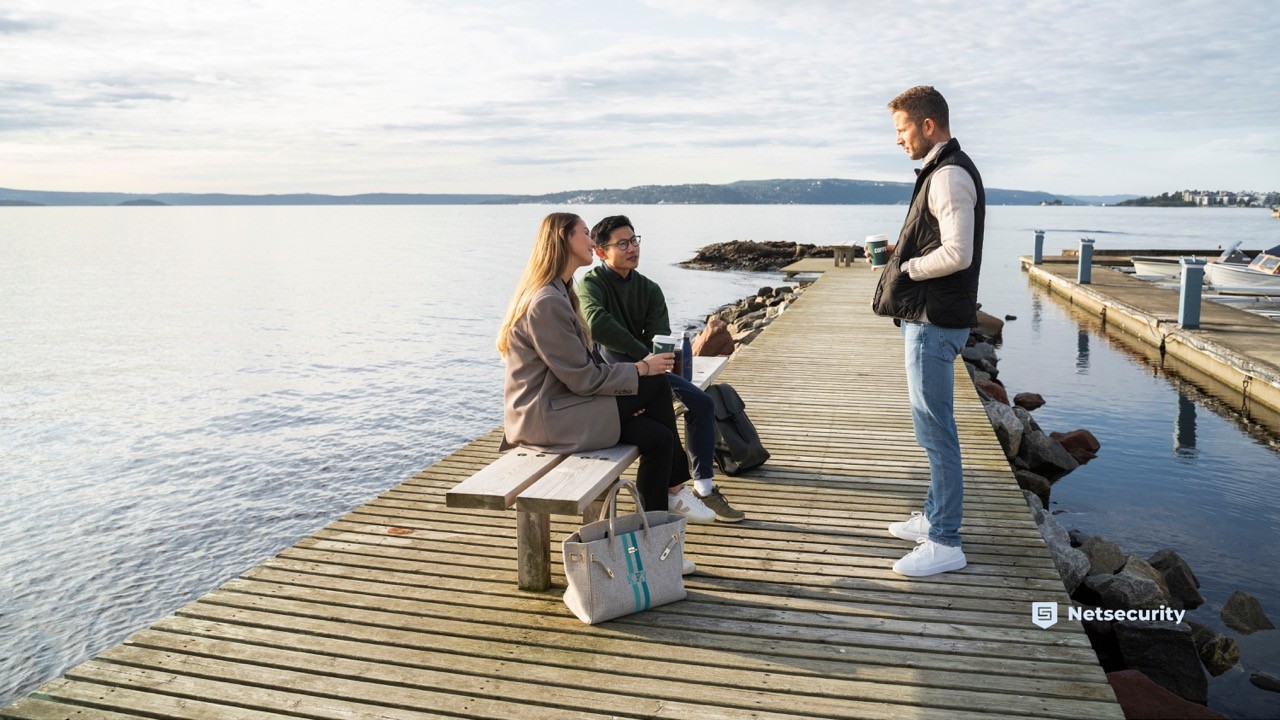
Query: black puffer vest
[{"x": 949, "y": 301}]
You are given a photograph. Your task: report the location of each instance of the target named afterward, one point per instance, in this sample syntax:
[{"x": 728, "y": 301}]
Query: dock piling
[
  {"x": 1037, "y": 257},
  {"x": 1084, "y": 275},
  {"x": 1189, "y": 303}
]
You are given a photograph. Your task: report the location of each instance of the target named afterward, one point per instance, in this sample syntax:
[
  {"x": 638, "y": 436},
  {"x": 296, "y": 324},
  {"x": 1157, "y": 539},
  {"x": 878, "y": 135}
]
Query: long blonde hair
[{"x": 548, "y": 261}]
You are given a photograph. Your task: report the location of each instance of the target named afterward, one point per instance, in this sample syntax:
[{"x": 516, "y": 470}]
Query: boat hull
[{"x": 1236, "y": 280}]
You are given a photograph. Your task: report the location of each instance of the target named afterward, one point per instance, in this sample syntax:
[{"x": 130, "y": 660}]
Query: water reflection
[
  {"x": 1184, "y": 429},
  {"x": 1082, "y": 351}
]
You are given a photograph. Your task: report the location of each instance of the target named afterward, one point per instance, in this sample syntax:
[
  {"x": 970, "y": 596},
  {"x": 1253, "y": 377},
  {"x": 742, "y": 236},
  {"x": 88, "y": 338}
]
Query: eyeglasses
[{"x": 624, "y": 244}]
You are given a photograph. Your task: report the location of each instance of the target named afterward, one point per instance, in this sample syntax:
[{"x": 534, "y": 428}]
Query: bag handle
[{"x": 610, "y": 509}]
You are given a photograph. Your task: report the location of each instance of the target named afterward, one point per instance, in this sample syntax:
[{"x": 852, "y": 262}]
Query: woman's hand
[{"x": 656, "y": 364}]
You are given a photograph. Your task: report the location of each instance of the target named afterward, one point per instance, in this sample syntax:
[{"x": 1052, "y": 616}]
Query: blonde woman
[{"x": 560, "y": 397}]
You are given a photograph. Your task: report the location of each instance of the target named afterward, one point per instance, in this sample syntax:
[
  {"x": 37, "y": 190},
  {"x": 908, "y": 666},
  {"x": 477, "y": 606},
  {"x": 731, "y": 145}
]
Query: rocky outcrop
[
  {"x": 1243, "y": 613},
  {"x": 756, "y": 256},
  {"x": 1165, "y": 653},
  {"x": 1140, "y": 697},
  {"x": 745, "y": 320}
]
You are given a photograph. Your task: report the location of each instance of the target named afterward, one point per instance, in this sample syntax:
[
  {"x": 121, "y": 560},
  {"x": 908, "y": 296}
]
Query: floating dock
[
  {"x": 1237, "y": 348},
  {"x": 404, "y": 608}
]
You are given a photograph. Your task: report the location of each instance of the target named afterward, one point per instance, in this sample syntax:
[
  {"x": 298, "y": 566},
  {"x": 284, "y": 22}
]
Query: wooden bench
[
  {"x": 539, "y": 485},
  {"x": 844, "y": 251}
]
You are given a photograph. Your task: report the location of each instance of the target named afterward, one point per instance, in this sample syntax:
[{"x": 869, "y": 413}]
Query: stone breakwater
[
  {"x": 756, "y": 256},
  {"x": 741, "y": 322},
  {"x": 1156, "y": 668}
]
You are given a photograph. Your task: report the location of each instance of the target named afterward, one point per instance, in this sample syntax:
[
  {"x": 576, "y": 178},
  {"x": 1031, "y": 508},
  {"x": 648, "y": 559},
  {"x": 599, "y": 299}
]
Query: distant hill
[
  {"x": 829, "y": 191},
  {"x": 19, "y": 203},
  {"x": 145, "y": 202},
  {"x": 1100, "y": 199}
]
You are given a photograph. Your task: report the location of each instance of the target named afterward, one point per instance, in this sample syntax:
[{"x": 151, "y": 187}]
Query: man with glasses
[{"x": 625, "y": 310}]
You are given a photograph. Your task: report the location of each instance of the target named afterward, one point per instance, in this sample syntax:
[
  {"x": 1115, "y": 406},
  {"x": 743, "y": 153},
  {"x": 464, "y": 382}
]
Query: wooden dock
[
  {"x": 407, "y": 609},
  {"x": 1237, "y": 348}
]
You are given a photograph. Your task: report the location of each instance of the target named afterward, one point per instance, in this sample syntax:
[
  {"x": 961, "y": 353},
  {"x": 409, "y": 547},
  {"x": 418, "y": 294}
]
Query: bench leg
[{"x": 533, "y": 550}]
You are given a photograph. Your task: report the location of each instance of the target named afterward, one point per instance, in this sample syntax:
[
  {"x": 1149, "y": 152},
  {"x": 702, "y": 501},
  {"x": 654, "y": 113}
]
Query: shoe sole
[
  {"x": 949, "y": 567},
  {"x": 724, "y": 519},
  {"x": 694, "y": 520}
]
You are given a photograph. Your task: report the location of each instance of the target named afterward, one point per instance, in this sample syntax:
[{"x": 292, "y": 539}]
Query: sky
[{"x": 425, "y": 96}]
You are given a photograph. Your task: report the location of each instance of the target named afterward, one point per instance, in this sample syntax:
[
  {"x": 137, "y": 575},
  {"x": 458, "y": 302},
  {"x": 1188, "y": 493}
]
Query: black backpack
[{"x": 738, "y": 447}]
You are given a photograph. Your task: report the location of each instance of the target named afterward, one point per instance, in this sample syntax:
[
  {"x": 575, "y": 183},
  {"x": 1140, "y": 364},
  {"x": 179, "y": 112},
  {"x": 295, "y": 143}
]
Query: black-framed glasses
[{"x": 624, "y": 244}]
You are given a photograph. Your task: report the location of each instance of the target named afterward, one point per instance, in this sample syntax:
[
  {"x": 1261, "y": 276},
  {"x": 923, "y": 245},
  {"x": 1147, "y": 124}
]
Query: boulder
[
  {"x": 1105, "y": 557},
  {"x": 1028, "y": 401},
  {"x": 980, "y": 352},
  {"x": 1033, "y": 501},
  {"x": 1103, "y": 639},
  {"x": 990, "y": 325},
  {"x": 1045, "y": 456},
  {"x": 774, "y": 311},
  {"x": 1165, "y": 653},
  {"x": 776, "y": 300},
  {"x": 1140, "y": 697},
  {"x": 783, "y": 291},
  {"x": 765, "y": 292},
  {"x": 1077, "y": 537},
  {"x": 1036, "y": 485},
  {"x": 745, "y": 337},
  {"x": 1126, "y": 592},
  {"x": 977, "y": 374},
  {"x": 1243, "y": 613},
  {"x": 1008, "y": 429},
  {"x": 1219, "y": 654},
  {"x": 1266, "y": 681},
  {"x": 1182, "y": 583},
  {"x": 993, "y": 390},
  {"x": 1072, "y": 565},
  {"x": 1078, "y": 438},
  {"x": 987, "y": 367},
  {"x": 1010, "y": 317},
  {"x": 1025, "y": 416},
  {"x": 1136, "y": 566},
  {"x": 714, "y": 340}
]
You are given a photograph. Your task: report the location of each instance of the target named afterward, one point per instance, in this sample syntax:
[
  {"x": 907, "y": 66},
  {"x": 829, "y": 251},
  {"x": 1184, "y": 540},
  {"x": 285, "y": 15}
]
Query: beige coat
[{"x": 559, "y": 399}]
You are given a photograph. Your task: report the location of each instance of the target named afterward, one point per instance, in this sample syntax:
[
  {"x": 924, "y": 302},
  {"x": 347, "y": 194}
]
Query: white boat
[
  {"x": 1159, "y": 267},
  {"x": 1260, "y": 277}
]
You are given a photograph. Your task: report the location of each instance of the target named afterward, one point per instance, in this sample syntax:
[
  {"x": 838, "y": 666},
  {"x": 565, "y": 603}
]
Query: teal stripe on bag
[
  {"x": 629, "y": 543},
  {"x": 638, "y": 567}
]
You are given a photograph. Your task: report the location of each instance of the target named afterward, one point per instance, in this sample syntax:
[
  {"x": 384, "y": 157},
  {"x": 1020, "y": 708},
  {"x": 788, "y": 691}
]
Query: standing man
[
  {"x": 930, "y": 288},
  {"x": 625, "y": 310}
]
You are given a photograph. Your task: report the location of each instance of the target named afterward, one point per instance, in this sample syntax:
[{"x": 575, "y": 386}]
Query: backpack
[{"x": 738, "y": 447}]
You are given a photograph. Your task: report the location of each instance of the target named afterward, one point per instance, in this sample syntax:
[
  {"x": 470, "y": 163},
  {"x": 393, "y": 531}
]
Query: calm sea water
[{"x": 186, "y": 391}]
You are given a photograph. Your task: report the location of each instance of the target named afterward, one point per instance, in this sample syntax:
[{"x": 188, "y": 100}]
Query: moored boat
[{"x": 1260, "y": 277}]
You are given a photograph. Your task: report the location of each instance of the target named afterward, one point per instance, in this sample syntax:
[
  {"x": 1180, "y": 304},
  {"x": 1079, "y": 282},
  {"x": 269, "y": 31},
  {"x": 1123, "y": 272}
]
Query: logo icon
[{"x": 1044, "y": 614}]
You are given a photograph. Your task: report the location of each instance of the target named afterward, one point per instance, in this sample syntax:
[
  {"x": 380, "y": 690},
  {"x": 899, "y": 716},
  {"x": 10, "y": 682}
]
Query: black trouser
[{"x": 663, "y": 463}]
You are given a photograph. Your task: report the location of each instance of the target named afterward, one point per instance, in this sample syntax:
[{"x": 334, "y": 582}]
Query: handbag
[{"x": 621, "y": 564}]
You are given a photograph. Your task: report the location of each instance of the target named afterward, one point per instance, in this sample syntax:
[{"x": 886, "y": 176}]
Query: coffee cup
[
  {"x": 664, "y": 344},
  {"x": 877, "y": 247}
]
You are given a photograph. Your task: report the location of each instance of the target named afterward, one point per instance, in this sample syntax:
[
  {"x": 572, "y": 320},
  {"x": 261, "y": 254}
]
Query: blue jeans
[
  {"x": 931, "y": 354},
  {"x": 699, "y": 425}
]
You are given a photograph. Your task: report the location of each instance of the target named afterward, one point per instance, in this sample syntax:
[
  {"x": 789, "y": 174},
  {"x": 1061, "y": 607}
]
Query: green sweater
[{"x": 624, "y": 315}]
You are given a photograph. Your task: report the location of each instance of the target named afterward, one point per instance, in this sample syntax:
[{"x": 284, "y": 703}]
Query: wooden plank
[
  {"x": 578, "y": 481},
  {"x": 496, "y": 486}
]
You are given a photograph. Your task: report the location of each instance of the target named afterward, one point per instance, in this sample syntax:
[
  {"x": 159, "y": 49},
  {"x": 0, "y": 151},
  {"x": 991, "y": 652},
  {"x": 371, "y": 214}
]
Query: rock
[
  {"x": 1136, "y": 566},
  {"x": 1081, "y": 455},
  {"x": 1165, "y": 653},
  {"x": 1266, "y": 681},
  {"x": 1200, "y": 633},
  {"x": 1140, "y": 697},
  {"x": 714, "y": 340},
  {"x": 978, "y": 375},
  {"x": 1037, "y": 485},
  {"x": 995, "y": 391},
  {"x": 987, "y": 367},
  {"x": 783, "y": 291},
  {"x": 1033, "y": 501},
  {"x": 1072, "y": 565},
  {"x": 990, "y": 325},
  {"x": 984, "y": 352},
  {"x": 745, "y": 338},
  {"x": 1045, "y": 456},
  {"x": 1219, "y": 654},
  {"x": 1125, "y": 592},
  {"x": 1103, "y": 639},
  {"x": 1010, "y": 317},
  {"x": 1243, "y": 613},
  {"x": 1182, "y": 583},
  {"x": 1027, "y": 420},
  {"x": 773, "y": 311},
  {"x": 765, "y": 292},
  {"x": 1077, "y": 537},
  {"x": 1078, "y": 439},
  {"x": 1008, "y": 429},
  {"x": 1028, "y": 401},
  {"x": 1105, "y": 557}
]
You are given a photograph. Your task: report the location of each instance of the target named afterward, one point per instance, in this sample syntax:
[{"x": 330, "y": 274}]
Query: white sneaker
[
  {"x": 684, "y": 503},
  {"x": 914, "y": 528},
  {"x": 689, "y": 567},
  {"x": 930, "y": 558}
]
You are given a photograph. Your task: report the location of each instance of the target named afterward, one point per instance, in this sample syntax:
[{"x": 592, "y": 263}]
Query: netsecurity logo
[{"x": 1044, "y": 614}]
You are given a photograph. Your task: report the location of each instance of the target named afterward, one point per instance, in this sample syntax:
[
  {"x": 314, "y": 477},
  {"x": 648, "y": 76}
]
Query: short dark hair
[
  {"x": 603, "y": 230},
  {"x": 923, "y": 102}
]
